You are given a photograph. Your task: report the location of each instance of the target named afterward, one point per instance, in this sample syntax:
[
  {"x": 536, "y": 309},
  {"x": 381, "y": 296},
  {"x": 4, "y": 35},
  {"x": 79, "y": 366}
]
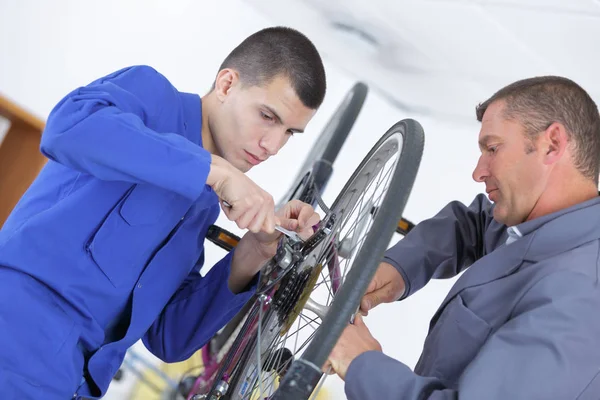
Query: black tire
[
  {"x": 330, "y": 141},
  {"x": 317, "y": 166},
  {"x": 305, "y": 372},
  {"x": 326, "y": 149},
  {"x": 332, "y": 138}
]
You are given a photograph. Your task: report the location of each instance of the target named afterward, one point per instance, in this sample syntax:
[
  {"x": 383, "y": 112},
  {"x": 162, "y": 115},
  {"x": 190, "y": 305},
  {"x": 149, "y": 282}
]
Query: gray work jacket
[{"x": 522, "y": 322}]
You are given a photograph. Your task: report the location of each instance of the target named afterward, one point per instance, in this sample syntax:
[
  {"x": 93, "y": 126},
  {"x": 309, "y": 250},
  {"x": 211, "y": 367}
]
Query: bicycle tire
[
  {"x": 305, "y": 372},
  {"x": 332, "y": 138},
  {"x": 318, "y": 167},
  {"x": 326, "y": 148}
]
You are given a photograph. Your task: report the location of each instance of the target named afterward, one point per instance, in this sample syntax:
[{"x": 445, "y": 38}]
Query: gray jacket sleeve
[
  {"x": 549, "y": 349},
  {"x": 442, "y": 246}
]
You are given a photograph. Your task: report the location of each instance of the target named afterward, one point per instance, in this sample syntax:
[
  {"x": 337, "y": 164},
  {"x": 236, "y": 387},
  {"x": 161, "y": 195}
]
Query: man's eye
[
  {"x": 492, "y": 149},
  {"x": 290, "y": 132},
  {"x": 266, "y": 116}
]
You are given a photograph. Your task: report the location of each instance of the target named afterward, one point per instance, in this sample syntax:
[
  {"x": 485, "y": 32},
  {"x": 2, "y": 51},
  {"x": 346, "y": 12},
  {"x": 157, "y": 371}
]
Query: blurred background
[{"x": 431, "y": 60}]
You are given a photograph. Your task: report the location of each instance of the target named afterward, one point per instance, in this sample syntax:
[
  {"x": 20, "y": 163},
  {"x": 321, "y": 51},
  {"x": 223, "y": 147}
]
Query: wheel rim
[{"x": 353, "y": 211}]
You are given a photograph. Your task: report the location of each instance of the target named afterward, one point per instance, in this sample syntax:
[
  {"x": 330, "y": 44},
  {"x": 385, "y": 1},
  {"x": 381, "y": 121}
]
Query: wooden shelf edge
[{"x": 18, "y": 115}]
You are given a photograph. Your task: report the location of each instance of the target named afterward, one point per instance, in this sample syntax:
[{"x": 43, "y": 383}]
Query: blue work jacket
[{"x": 105, "y": 247}]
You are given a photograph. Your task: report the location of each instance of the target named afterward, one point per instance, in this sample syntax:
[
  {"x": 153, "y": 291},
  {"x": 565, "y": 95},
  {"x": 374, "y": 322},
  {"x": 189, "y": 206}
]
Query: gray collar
[
  {"x": 562, "y": 230},
  {"x": 525, "y": 228}
]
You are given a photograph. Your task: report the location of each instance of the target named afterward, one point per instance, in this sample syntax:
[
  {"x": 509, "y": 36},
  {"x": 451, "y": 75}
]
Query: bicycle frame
[{"x": 288, "y": 257}]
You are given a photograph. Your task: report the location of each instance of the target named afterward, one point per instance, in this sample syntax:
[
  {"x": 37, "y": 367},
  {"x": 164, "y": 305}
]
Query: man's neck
[
  {"x": 207, "y": 139},
  {"x": 567, "y": 194}
]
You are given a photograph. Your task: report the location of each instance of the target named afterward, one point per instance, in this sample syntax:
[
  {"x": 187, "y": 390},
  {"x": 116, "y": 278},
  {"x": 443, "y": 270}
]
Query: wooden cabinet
[{"x": 20, "y": 157}]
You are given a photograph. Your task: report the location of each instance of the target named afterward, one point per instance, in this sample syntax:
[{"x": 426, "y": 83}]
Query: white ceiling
[{"x": 442, "y": 57}]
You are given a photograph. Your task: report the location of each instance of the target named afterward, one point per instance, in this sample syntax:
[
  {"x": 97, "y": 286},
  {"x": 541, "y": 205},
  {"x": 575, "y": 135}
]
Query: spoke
[
  {"x": 318, "y": 388},
  {"x": 354, "y": 222},
  {"x": 310, "y": 322},
  {"x": 323, "y": 282},
  {"x": 291, "y": 359},
  {"x": 353, "y": 226},
  {"x": 259, "y": 365}
]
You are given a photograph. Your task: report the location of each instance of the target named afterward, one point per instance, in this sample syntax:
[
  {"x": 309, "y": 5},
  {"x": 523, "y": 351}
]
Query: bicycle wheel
[
  {"x": 309, "y": 309},
  {"x": 330, "y": 141},
  {"x": 305, "y": 372},
  {"x": 312, "y": 176}
]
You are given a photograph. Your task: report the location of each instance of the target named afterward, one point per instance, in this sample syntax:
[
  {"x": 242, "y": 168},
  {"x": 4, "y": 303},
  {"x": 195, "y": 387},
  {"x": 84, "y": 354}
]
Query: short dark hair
[
  {"x": 280, "y": 51},
  {"x": 539, "y": 102}
]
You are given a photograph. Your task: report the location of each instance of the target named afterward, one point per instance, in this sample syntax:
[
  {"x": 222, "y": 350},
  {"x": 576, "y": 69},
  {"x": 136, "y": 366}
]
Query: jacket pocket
[
  {"x": 17, "y": 386},
  {"x": 454, "y": 342},
  {"x": 146, "y": 205},
  {"x": 132, "y": 232}
]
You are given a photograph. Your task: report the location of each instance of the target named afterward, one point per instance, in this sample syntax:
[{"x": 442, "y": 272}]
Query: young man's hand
[
  {"x": 256, "y": 248},
  {"x": 294, "y": 216},
  {"x": 242, "y": 200}
]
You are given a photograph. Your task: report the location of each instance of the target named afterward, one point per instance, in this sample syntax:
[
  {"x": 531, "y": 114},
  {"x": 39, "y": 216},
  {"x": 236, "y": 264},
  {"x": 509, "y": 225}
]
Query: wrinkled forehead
[{"x": 498, "y": 129}]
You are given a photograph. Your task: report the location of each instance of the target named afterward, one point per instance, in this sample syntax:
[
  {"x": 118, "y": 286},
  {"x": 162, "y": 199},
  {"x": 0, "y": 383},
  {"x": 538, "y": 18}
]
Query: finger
[
  {"x": 261, "y": 225},
  {"x": 292, "y": 209},
  {"x": 304, "y": 213},
  {"x": 314, "y": 219},
  {"x": 258, "y": 224},
  {"x": 358, "y": 320},
  {"x": 364, "y": 304},
  {"x": 227, "y": 209},
  {"x": 268, "y": 214},
  {"x": 305, "y": 233},
  {"x": 232, "y": 213},
  {"x": 308, "y": 230},
  {"x": 290, "y": 224},
  {"x": 371, "y": 300},
  {"x": 268, "y": 211},
  {"x": 249, "y": 215},
  {"x": 326, "y": 367},
  {"x": 269, "y": 224}
]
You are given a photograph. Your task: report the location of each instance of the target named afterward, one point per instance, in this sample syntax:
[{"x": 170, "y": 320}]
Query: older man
[{"x": 523, "y": 321}]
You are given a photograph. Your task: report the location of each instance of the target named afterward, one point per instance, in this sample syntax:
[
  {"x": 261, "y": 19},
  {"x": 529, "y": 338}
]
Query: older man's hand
[{"x": 355, "y": 340}]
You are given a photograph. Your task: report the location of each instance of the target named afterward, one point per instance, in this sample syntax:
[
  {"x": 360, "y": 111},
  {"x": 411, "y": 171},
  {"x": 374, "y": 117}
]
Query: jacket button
[{"x": 139, "y": 286}]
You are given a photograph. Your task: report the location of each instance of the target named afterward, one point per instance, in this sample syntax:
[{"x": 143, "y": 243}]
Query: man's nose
[
  {"x": 271, "y": 142},
  {"x": 481, "y": 170}
]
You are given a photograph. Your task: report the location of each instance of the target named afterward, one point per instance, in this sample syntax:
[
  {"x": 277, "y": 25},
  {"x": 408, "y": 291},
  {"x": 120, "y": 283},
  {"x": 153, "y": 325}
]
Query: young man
[
  {"x": 106, "y": 246},
  {"x": 523, "y": 321}
]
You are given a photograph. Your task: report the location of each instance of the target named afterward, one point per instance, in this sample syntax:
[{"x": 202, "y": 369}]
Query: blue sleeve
[
  {"x": 200, "y": 307},
  {"x": 442, "y": 246},
  {"x": 103, "y": 130},
  {"x": 548, "y": 350}
]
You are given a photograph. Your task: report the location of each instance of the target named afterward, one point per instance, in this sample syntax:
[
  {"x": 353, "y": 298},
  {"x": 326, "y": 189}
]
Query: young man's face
[
  {"x": 254, "y": 122},
  {"x": 510, "y": 166}
]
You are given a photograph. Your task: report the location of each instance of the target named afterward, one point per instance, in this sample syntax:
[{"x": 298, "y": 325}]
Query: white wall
[
  {"x": 49, "y": 48},
  {"x": 4, "y": 126}
]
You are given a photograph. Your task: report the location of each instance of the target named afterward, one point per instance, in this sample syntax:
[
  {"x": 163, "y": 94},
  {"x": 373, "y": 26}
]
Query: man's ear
[
  {"x": 226, "y": 79},
  {"x": 554, "y": 144}
]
